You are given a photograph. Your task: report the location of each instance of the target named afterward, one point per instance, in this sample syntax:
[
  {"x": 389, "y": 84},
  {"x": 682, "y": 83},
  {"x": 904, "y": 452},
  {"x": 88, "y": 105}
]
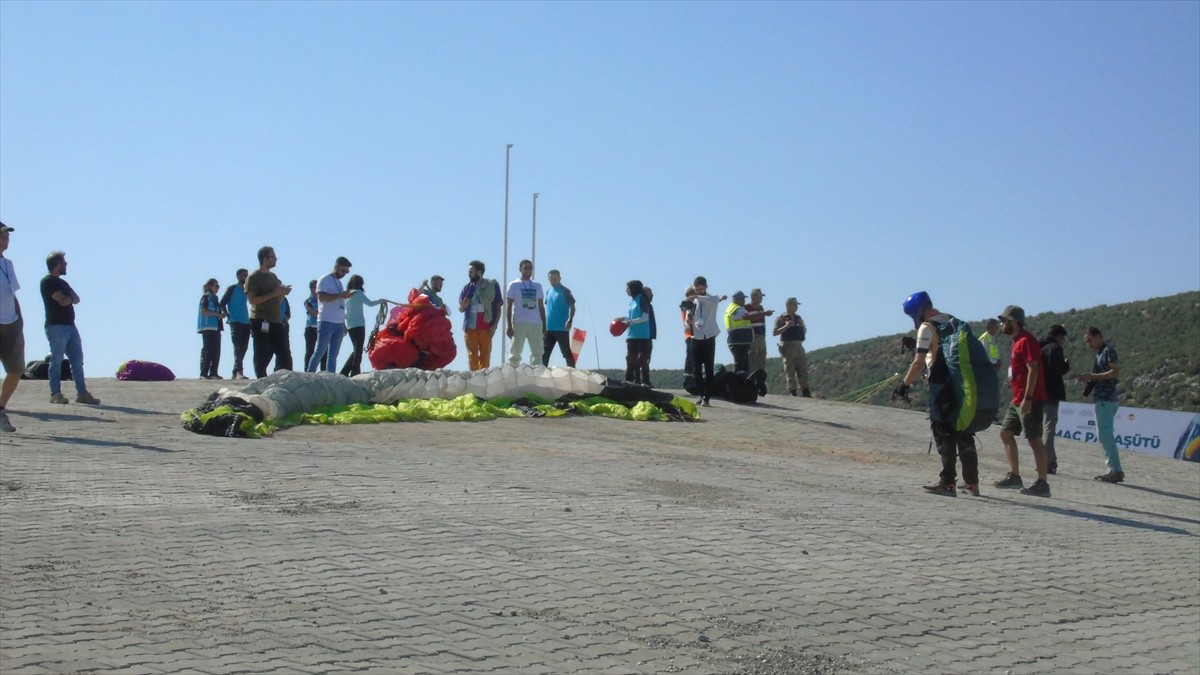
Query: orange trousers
[{"x": 479, "y": 348}]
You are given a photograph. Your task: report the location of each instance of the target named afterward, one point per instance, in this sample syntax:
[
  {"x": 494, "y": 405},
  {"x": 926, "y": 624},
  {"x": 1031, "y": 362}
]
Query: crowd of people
[
  {"x": 257, "y": 311},
  {"x": 1036, "y": 370},
  {"x": 537, "y": 320}
]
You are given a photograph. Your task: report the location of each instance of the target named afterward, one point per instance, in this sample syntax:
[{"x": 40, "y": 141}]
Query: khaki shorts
[
  {"x": 1014, "y": 421},
  {"x": 12, "y": 346}
]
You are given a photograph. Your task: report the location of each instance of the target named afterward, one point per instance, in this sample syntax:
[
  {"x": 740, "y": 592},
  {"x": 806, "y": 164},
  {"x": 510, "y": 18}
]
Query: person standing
[
  {"x": 758, "y": 344},
  {"x": 432, "y": 290},
  {"x": 738, "y": 333},
  {"x": 525, "y": 315},
  {"x": 951, "y": 443},
  {"x": 1055, "y": 364},
  {"x": 356, "y": 323},
  {"x": 479, "y": 301},
  {"x": 265, "y": 293},
  {"x": 791, "y": 331},
  {"x": 637, "y": 336},
  {"x": 310, "y": 323},
  {"x": 560, "y": 316},
  {"x": 988, "y": 340},
  {"x": 60, "y": 300},
  {"x": 208, "y": 324},
  {"x": 234, "y": 304},
  {"x": 331, "y": 317},
  {"x": 705, "y": 328},
  {"x": 1027, "y": 411},
  {"x": 1102, "y": 381},
  {"x": 648, "y": 294},
  {"x": 12, "y": 331},
  {"x": 687, "y": 307}
]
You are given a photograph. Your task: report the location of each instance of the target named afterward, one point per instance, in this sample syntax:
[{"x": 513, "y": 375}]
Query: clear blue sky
[{"x": 1043, "y": 154}]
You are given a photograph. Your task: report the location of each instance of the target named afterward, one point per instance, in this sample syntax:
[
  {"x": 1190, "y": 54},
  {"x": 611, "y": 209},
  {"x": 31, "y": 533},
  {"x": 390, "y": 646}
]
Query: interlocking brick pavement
[{"x": 790, "y": 536}]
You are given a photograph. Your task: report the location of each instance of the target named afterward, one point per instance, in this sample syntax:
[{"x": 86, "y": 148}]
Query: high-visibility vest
[
  {"x": 989, "y": 343},
  {"x": 737, "y": 331}
]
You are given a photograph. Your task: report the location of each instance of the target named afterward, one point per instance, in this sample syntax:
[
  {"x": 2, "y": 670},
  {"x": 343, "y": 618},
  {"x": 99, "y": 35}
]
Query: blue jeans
[
  {"x": 65, "y": 340},
  {"x": 1105, "y": 412},
  {"x": 329, "y": 339}
]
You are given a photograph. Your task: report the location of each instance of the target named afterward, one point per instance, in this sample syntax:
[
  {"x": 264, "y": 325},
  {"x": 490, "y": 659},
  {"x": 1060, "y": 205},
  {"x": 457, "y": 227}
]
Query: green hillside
[{"x": 1158, "y": 341}]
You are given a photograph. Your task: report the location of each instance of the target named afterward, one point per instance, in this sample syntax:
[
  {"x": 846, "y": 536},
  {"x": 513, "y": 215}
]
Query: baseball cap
[
  {"x": 739, "y": 294},
  {"x": 1013, "y": 313},
  {"x": 757, "y": 291},
  {"x": 791, "y": 301},
  {"x": 437, "y": 277},
  {"x": 7, "y": 228}
]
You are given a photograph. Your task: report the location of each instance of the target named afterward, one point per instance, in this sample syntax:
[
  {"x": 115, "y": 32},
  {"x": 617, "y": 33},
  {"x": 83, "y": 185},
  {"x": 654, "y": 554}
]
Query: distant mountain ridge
[{"x": 1157, "y": 340}]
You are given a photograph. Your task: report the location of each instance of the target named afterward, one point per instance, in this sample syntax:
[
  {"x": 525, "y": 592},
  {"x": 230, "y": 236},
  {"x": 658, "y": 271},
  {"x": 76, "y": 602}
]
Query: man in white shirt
[
  {"x": 525, "y": 313},
  {"x": 12, "y": 331},
  {"x": 331, "y": 317}
]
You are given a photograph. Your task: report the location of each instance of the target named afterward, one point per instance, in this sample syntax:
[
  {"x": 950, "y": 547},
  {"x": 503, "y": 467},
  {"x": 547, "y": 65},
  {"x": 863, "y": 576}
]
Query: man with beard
[
  {"x": 1027, "y": 411},
  {"x": 480, "y": 302},
  {"x": 266, "y": 293},
  {"x": 331, "y": 317}
]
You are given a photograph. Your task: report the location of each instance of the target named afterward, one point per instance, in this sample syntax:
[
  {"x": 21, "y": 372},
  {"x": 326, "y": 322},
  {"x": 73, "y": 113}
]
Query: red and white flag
[{"x": 577, "y": 338}]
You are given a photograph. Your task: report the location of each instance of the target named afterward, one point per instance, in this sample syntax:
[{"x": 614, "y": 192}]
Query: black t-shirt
[{"x": 56, "y": 314}]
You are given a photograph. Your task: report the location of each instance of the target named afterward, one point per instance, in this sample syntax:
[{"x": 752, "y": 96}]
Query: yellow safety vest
[
  {"x": 738, "y": 331},
  {"x": 989, "y": 343}
]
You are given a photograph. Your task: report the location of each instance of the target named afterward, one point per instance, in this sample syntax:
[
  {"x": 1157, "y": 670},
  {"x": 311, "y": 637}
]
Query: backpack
[
  {"x": 40, "y": 370},
  {"x": 963, "y": 388}
]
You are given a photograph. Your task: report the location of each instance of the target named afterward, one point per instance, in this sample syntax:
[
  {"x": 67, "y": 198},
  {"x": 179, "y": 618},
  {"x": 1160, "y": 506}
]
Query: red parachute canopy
[{"x": 416, "y": 336}]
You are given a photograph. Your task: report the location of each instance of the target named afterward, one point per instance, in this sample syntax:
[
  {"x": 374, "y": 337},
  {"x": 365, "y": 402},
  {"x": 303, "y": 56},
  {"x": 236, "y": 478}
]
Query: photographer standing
[{"x": 791, "y": 331}]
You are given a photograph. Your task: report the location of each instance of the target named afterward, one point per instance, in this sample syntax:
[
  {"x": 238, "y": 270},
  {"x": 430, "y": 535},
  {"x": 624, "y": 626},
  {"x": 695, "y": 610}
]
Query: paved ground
[{"x": 785, "y": 537}]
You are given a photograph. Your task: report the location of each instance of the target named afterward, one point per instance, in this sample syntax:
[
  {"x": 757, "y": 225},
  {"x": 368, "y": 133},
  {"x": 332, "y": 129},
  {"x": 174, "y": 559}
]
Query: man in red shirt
[{"x": 1026, "y": 411}]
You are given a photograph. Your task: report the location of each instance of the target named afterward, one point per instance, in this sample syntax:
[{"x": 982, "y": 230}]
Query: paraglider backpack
[{"x": 967, "y": 395}]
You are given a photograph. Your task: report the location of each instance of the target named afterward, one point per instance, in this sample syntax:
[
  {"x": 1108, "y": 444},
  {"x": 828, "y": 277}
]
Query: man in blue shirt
[
  {"x": 1102, "y": 382},
  {"x": 234, "y": 304},
  {"x": 432, "y": 290},
  {"x": 560, "y": 314}
]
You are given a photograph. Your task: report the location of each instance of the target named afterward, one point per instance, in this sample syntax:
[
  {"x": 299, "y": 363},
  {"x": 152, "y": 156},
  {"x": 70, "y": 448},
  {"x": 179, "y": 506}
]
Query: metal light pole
[
  {"x": 504, "y": 333},
  {"x": 533, "y": 254}
]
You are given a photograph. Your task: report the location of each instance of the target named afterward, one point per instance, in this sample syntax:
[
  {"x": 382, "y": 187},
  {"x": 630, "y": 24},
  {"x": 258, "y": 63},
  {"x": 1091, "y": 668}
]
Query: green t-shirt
[{"x": 262, "y": 283}]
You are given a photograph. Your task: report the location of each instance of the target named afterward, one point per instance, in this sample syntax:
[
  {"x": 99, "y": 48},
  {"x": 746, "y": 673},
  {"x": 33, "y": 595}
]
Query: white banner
[{"x": 1166, "y": 433}]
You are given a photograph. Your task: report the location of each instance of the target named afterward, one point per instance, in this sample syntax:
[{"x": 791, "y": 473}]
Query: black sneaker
[
  {"x": 1112, "y": 477},
  {"x": 1040, "y": 488},
  {"x": 1010, "y": 480},
  {"x": 1052, "y": 469},
  {"x": 944, "y": 489}
]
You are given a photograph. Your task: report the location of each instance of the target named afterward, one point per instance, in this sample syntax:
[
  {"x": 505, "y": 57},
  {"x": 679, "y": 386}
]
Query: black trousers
[
  {"x": 563, "y": 340},
  {"x": 239, "y": 333},
  {"x": 741, "y": 357},
  {"x": 951, "y": 445},
  {"x": 210, "y": 352},
  {"x": 704, "y": 352},
  {"x": 270, "y": 342},
  {"x": 358, "y": 338},
  {"x": 637, "y": 360},
  {"x": 310, "y": 345}
]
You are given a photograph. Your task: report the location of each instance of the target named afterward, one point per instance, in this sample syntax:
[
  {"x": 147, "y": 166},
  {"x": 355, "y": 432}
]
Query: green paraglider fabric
[{"x": 469, "y": 408}]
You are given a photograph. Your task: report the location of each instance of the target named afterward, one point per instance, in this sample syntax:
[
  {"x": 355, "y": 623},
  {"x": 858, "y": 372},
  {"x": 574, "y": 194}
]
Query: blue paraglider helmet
[{"x": 915, "y": 306}]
